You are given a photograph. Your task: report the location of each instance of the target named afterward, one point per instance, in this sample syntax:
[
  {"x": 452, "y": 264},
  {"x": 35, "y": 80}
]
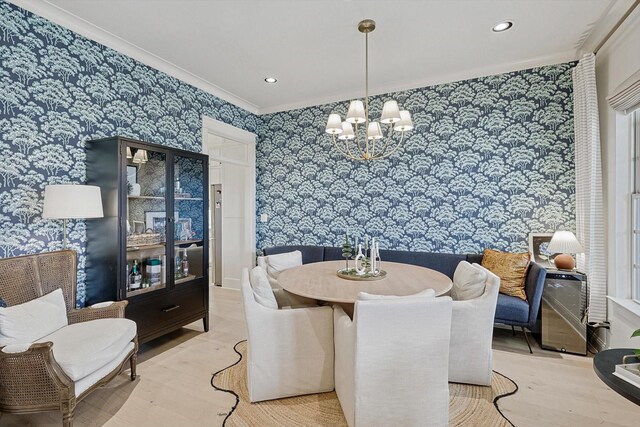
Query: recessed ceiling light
[
  {"x": 502, "y": 26},
  {"x": 270, "y": 80}
]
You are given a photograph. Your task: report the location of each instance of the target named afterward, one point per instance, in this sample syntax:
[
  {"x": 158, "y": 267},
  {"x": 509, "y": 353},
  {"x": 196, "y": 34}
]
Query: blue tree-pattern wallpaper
[
  {"x": 58, "y": 90},
  {"x": 490, "y": 160}
]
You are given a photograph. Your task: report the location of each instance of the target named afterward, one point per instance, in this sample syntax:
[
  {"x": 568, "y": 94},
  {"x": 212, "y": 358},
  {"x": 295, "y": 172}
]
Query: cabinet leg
[{"x": 205, "y": 323}]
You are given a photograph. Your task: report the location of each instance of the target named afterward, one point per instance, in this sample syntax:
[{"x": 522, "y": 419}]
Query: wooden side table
[{"x": 604, "y": 363}]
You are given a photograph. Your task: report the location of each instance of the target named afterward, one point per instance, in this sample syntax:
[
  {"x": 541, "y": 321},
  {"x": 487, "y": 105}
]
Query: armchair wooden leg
[
  {"x": 513, "y": 330},
  {"x": 132, "y": 363},
  {"x": 67, "y": 416},
  {"x": 526, "y": 339}
]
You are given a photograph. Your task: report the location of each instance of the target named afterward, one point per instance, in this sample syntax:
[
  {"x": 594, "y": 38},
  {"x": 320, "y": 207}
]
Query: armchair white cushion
[
  {"x": 273, "y": 265},
  {"x": 392, "y": 362},
  {"x": 470, "y": 353},
  {"x": 24, "y": 323},
  {"x": 290, "y": 352},
  {"x": 83, "y": 348}
]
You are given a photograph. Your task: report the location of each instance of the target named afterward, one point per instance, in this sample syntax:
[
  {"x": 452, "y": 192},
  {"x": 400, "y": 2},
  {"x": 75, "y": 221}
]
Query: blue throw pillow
[{"x": 2, "y": 303}]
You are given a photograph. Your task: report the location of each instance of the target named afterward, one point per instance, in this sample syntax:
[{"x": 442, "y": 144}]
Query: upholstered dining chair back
[
  {"x": 472, "y": 324},
  {"x": 392, "y": 362},
  {"x": 290, "y": 351},
  {"x": 28, "y": 277}
]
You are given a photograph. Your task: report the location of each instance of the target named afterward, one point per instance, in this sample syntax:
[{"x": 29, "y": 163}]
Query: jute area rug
[{"x": 468, "y": 405}]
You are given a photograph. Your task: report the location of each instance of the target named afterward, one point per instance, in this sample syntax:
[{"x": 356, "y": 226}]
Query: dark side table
[{"x": 604, "y": 363}]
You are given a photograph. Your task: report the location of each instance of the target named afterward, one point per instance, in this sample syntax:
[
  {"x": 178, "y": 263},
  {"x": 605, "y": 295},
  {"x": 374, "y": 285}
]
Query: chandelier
[{"x": 367, "y": 141}]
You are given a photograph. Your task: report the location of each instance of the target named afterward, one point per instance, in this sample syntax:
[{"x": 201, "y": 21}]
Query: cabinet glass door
[
  {"x": 146, "y": 221},
  {"x": 190, "y": 219}
]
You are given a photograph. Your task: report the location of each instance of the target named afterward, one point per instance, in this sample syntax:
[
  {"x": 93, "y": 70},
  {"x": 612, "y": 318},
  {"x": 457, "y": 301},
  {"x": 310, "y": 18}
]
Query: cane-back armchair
[{"x": 55, "y": 373}]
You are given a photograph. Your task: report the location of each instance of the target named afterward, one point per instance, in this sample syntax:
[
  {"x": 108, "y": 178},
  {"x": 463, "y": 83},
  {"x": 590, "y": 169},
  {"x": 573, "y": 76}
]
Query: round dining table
[{"x": 320, "y": 281}]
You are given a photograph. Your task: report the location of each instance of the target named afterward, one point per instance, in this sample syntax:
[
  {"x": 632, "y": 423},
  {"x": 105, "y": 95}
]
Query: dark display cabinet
[
  {"x": 564, "y": 306},
  {"x": 151, "y": 246}
]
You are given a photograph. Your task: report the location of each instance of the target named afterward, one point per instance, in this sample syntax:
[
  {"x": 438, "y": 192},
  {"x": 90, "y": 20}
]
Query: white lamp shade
[
  {"x": 138, "y": 157},
  {"x": 390, "y": 112},
  {"x": 65, "y": 201},
  {"x": 565, "y": 242},
  {"x": 129, "y": 156},
  {"x": 405, "y": 122},
  {"x": 356, "y": 112},
  {"x": 374, "y": 131},
  {"x": 347, "y": 131},
  {"x": 334, "y": 124}
]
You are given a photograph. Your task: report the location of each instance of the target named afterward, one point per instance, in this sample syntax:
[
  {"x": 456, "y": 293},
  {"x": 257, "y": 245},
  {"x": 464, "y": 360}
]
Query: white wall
[{"x": 615, "y": 62}]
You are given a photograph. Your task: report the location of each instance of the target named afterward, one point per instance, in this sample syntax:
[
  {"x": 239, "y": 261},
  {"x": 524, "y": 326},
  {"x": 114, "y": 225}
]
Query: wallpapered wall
[
  {"x": 490, "y": 160},
  {"x": 59, "y": 89}
]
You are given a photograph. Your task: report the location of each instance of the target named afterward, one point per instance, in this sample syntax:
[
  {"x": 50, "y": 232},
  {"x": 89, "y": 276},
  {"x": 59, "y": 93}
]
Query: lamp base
[{"x": 564, "y": 262}]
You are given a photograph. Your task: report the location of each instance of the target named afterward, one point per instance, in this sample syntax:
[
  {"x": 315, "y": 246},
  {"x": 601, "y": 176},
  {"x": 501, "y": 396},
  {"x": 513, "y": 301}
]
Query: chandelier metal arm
[
  {"x": 398, "y": 145},
  {"x": 366, "y": 90},
  {"x": 362, "y": 153},
  {"x": 346, "y": 153}
]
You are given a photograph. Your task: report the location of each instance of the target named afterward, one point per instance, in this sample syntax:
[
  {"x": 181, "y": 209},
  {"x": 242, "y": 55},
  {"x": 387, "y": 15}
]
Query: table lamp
[
  {"x": 564, "y": 243},
  {"x": 69, "y": 201}
]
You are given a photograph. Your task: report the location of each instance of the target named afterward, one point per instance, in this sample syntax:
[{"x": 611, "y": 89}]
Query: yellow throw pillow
[{"x": 511, "y": 268}]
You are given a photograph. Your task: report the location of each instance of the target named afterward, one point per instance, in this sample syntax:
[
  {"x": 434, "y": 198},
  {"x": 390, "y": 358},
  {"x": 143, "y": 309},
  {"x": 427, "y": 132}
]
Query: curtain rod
[{"x": 615, "y": 28}]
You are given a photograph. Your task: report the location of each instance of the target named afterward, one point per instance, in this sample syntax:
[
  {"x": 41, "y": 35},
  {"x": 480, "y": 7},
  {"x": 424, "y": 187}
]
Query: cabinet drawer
[{"x": 165, "y": 310}]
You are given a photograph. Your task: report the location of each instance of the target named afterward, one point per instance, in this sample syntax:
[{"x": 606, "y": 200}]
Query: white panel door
[
  {"x": 232, "y": 164},
  {"x": 234, "y": 216}
]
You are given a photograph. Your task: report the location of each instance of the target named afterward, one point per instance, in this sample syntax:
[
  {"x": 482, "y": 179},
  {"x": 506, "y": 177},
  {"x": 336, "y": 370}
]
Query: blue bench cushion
[
  {"x": 474, "y": 259},
  {"x": 309, "y": 253},
  {"x": 333, "y": 254},
  {"x": 444, "y": 263},
  {"x": 512, "y": 310}
]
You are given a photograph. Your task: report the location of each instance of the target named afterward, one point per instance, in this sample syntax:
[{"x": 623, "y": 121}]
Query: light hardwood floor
[{"x": 173, "y": 386}]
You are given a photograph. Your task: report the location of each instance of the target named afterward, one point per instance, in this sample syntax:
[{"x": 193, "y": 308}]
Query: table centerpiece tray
[{"x": 351, "y": 274}]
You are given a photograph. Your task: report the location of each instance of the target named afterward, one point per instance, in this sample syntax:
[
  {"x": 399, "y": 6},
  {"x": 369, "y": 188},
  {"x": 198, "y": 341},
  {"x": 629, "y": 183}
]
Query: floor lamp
[{"x": 69, "y": 201}]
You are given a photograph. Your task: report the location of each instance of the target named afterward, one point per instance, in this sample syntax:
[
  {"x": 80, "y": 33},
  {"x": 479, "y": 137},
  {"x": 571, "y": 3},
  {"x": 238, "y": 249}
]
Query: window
[{"x": 635, "y": 207}]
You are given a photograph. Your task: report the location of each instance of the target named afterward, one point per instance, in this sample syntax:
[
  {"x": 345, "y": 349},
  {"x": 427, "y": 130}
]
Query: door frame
[{"x": 226, "y": 131}]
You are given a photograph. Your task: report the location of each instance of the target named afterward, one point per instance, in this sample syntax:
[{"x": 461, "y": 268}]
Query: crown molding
[
  {"x": 606, "y": 26},
  {"x": 558, "y": 58},
  {"x": 78, "y": 25}
]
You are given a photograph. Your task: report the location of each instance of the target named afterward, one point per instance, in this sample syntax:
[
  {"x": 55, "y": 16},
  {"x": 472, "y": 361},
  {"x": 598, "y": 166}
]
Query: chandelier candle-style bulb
[
  {"x": 347, "y": 131},
  {"x": 374, "y": 131},
  {"x": 356, "y": 112},
  {"x": 334, "y": 124},
  {"x": 405, "y": 122},
  {"x": 390, "y": 112},
  {"x": 359, "y": 137}
]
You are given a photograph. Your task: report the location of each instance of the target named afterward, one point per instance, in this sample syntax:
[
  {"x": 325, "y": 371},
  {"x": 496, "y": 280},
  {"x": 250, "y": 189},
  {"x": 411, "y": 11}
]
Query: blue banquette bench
[{"x": 511, "y": 311}]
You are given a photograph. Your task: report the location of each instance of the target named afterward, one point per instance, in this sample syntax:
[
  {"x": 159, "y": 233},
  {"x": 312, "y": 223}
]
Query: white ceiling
[{"x": 314, "y": 49}]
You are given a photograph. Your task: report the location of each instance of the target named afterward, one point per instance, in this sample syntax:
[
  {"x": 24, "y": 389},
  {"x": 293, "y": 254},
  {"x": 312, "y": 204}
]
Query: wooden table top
[{"x": 319, "y": 281}]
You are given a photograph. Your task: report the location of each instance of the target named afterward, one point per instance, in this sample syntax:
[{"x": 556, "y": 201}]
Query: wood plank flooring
[{"x": 173, "y": 386}]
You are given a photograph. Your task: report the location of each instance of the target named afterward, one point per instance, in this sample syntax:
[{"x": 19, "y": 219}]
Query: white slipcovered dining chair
[
  {"x": 470, "y": 353},
  {"x": 290, "y": 351},
  {"x": 392, "y": 361},
  {"x": 275, "y": 264}
]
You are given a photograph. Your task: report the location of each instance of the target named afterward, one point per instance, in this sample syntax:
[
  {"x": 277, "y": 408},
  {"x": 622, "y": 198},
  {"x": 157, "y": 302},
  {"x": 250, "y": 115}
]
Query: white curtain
[{"x": 589, "y": 210}]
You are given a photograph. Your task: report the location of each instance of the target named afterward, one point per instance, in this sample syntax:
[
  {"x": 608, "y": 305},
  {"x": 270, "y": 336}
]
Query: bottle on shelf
[
  {"x": 154, "y": 271},
  {"x": 178, "y": 270},
  {"x": 135, "y": 277},
  {"x": 185, "y": 264}
]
